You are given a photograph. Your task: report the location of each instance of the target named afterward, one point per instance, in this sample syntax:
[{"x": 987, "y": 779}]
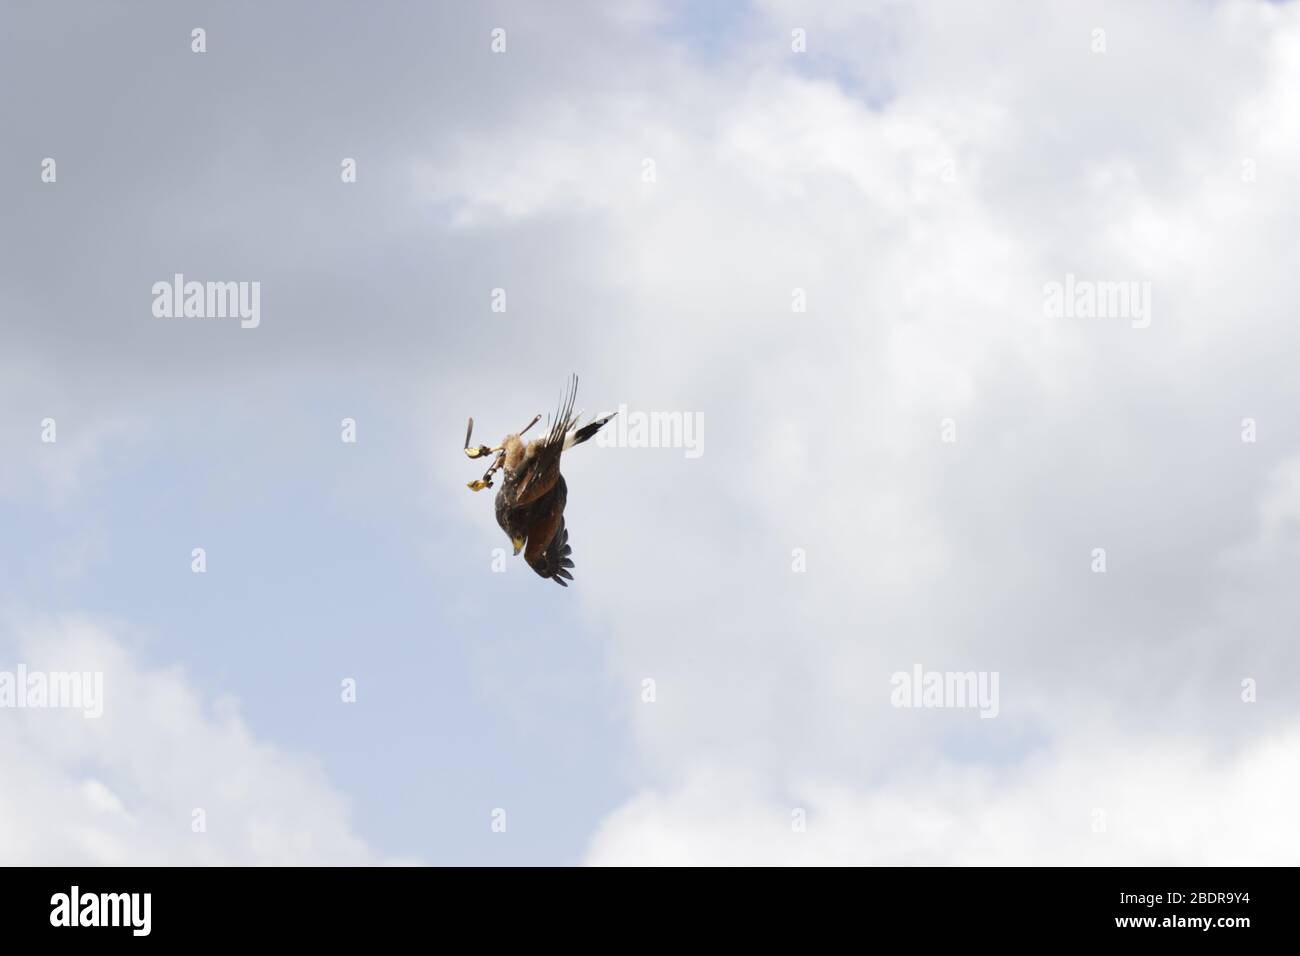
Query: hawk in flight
[{"x": 530, "y": 504}]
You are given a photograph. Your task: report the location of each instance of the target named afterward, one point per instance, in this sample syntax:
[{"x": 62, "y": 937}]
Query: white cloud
[
  {"x": 826, "y": 172},
  {"x": 1157, "y": 800},
  {"x": 122, "y": 789},
  {"x": 925, "y": 302}
]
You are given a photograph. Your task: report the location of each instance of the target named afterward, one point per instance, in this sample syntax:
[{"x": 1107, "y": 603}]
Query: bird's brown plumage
[
  {"x": 541, "y": 467},
  {"x": 530, "y": 504}
]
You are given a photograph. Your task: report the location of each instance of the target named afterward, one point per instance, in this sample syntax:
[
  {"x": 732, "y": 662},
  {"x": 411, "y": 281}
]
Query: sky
[{"x": 828, "y": 234}]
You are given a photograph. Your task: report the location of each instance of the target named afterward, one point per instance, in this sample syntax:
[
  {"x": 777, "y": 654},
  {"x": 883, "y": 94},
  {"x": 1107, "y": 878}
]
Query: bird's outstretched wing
[{"x": 544, "y": 467}]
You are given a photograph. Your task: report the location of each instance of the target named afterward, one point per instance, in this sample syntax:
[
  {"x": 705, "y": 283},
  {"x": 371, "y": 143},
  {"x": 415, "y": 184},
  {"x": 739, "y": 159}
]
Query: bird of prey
[{"x": 530, "y": 504}]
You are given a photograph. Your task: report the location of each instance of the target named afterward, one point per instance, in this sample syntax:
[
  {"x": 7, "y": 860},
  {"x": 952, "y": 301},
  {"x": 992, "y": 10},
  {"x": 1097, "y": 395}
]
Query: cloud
[
  {"x": 925, "y": 304},
  {"x": 918, "y": 176},
  {"x": 122, "y": 789},
  {"x": 1156, "y": 801}
]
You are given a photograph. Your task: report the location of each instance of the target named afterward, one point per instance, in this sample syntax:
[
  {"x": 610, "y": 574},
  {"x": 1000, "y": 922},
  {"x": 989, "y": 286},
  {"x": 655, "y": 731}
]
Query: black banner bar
[{"x": 1224, "y": 906}]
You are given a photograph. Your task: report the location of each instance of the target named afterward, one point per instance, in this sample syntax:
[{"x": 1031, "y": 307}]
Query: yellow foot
[{"x": 478, "y": 484}]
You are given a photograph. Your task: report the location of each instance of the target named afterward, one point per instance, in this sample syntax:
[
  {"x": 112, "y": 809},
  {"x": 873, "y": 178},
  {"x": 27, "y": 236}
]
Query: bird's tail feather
[{"x": 580, "y": 435}]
